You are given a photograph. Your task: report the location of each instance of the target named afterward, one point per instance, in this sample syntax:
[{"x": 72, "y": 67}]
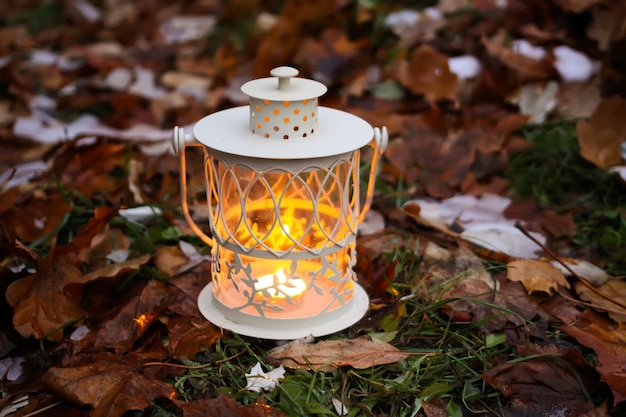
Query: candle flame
[{"x": 279, "y": 286}]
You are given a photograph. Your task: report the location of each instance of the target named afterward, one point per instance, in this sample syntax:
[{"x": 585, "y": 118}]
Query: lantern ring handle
[
  {"x": 180, "y": 144},
  {"x": 381, "y": 137}
]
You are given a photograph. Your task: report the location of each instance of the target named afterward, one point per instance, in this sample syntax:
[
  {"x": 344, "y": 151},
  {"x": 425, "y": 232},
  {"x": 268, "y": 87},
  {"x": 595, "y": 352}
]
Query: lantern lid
[
  {"x": 338, "y": 132},
  {"x": 281, "y": 122},
  {"x": 283, "y": 86}
]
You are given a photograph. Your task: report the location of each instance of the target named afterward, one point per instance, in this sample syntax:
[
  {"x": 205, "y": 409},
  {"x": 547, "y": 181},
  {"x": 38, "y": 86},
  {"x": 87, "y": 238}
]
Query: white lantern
[{"x": 283, "y": 197}]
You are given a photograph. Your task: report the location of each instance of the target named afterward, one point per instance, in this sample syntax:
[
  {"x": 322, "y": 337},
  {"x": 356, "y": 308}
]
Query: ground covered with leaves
[{"x": 493, "y": 256}]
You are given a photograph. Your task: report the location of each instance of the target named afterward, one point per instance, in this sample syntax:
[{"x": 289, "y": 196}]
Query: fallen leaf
[
  {"x": 257, "y": 380},
  {"x": 605, "y": 24},
  {"x": 538, "y": 102},
  {"x": 543, "y": 386},
  {"x": 111, "y": 388},
  {"x": 613, "y": 290},
  {"x": 41, "y": 303},
  {"x": 527, "y": 67},
  {"x": 427, "y": 72},
  {"x": 606, "y": 338},
  {"x": 134, "y": 318},
  {"x": 224, "y": 406},
  {"x": 577, "y": 6},
  {"x": 585, "y": 269},
  {"x": 600, "y": 137},
  {"x": 115, "y": 269},
  {"x": 360, "y": 353},
  {"x": 536, "y": 275},
  {"x": 188, "y": 336},
  {"x": 169, "y": 259}
]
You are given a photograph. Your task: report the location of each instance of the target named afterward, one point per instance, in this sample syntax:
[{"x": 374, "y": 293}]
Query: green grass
[{"x": 553, "y": 172}]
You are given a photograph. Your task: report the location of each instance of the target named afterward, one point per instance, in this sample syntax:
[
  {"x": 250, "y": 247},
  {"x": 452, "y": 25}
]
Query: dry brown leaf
[
  {"x": 169, "y": 259},
  {"x": 600, "y": 137},
  {"x": 115, "y": 269},
  {"x": 536, "y": 275},
  {"x": 224, "y": 406},
  {"x": 577, "y": 6},
  {"x": 606, "y": 338},
  {"x": 614, "y": 290},
  {"x": 44, "y": 302},
  {"x": 542, "y": 386},
  {"x": 606, "y": 23},
  {"x": 527, "y": 68},
  {"x": 111, "y": 388},
  {"x": 360, "y": 353},
  {"x": 427, "y": 72}
]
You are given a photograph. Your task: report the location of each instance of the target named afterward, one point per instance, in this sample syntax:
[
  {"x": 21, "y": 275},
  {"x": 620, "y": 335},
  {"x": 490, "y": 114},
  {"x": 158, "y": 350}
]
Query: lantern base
[{"x": 285, "y": 329}]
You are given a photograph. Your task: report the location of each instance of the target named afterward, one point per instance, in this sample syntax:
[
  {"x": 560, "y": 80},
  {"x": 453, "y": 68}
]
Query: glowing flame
[
  {"x": 144, "y": 321},
  {"x": 279, "y": 286}
]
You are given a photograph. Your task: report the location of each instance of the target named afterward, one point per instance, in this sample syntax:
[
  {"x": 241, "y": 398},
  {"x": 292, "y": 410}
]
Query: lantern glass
[{"x": 285, "y": 234}]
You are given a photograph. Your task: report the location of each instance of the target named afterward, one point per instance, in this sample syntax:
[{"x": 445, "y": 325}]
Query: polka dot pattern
[{"x": 283, "y": 119}]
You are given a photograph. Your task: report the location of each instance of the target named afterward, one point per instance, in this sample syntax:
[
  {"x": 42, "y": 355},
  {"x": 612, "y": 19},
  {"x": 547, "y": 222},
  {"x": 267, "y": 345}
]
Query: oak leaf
[
  {"x": 360, "y": 353},
  {"x": 536, "y": 275}
]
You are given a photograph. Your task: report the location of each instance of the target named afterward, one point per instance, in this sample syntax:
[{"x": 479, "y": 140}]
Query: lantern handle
[
  {"x": 180, "y": 141},
  {"x": 381, "y": 137}
]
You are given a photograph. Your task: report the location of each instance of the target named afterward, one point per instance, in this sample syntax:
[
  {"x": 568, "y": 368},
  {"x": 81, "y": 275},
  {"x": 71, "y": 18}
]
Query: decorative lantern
[{"x": 283, "y": 197}]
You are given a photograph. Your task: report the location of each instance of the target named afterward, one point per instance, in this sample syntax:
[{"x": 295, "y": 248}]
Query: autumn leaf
[
  {"x": 614, "y": 290},
  {"x": 224, "y": 406},
  {"x": 601, "y": 136},
  {"x": 133, "y": 319},
  {"x": 42, "y": 303},
  {"x": 526, "y": 67},
  {"x": 536, "y": 275},
  {"x": 427, "y": 72},
  {"x": 360, "y": 353},
  {"x": 111, "y": 388},
  {"x": 539, "y": 386},
  {"x": 607, "y": 339},
  {"x": 577, "y": 6}
]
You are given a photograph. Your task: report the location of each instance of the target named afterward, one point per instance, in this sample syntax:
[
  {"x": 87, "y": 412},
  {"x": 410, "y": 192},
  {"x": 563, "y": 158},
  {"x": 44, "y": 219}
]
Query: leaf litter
[{"x": 85, "y": 120}]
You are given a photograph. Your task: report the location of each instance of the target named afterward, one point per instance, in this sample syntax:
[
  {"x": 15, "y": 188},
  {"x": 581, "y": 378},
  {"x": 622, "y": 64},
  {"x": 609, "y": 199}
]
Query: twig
[
  {"x": 564, "y": 265},
  {"x": 41, "y": 410},
  {"x": 204, "y": 365}
]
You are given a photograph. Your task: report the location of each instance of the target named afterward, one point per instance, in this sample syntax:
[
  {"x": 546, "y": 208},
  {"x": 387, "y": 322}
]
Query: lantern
[{"x": 284, "y": 206}]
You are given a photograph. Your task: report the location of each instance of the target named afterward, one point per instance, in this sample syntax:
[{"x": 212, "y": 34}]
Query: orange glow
[
  {"x": 279, "y": 286},
  {"x": 144, "y": 321}
]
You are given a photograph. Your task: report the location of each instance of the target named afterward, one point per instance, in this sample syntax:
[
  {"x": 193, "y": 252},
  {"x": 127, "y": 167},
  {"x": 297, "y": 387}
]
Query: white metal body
[{"x": 283, "y": 213}]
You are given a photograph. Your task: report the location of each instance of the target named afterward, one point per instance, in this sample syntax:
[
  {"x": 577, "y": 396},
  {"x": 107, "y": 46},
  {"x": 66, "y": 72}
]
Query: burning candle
[{"x": 277, "y": 285}]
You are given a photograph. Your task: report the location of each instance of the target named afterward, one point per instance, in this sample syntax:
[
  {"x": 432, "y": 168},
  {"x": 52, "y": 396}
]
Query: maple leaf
[{"x": 536, "y": 275}]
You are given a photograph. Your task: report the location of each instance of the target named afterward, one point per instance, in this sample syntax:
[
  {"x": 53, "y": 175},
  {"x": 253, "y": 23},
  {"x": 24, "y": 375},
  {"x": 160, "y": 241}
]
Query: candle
[{"x": 277, "y": 285}]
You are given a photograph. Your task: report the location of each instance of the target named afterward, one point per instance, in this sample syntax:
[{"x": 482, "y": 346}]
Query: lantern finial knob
[{"x": 284, "y": 75}]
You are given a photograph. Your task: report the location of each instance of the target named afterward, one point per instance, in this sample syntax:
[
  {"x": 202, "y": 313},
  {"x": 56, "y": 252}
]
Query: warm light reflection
[
  {"x": 143, "y": 321},
  {"x": 277, "y": 285}
]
